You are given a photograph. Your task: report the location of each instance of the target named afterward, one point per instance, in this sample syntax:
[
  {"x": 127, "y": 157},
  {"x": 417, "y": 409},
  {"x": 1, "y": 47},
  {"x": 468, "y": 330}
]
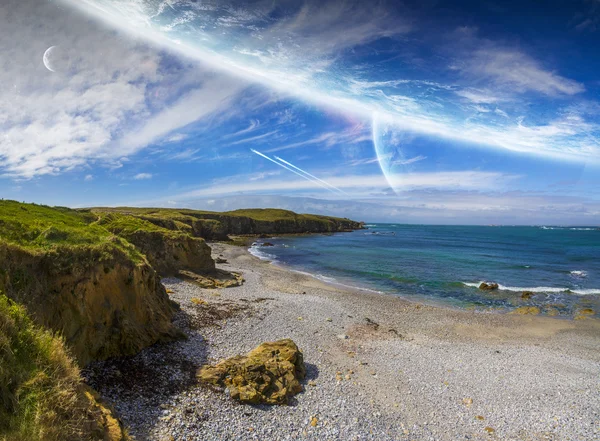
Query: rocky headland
[{"x": 92, "y": 279}]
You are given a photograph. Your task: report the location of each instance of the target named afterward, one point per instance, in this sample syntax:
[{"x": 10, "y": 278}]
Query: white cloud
[
  {"x": 141, "y": 176},
  {"x": 514, "y": 69},
  {"x": 215, "y": 93},
  {"x": 176, "y": 137},
  {"x": 409, "y": 160},
  {"x": 354, "y": 184},
  {"x": 479, "y": 96},
  {"x": 234, "y": 46},
  {"x": 88, "y": 178}
]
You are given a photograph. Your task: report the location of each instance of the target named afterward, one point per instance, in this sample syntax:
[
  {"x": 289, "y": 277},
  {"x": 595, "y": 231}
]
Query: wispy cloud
[
  {"x": 254, "y": 138},
  {"x": 356, "y": 184},
  {"x": 142, "y": 176},
  {"x": 296, "y": 69},
  {"x": 409, "y": 160},
  {"x": 254, "y": 125},
  {"x": 514, "y": 69}
]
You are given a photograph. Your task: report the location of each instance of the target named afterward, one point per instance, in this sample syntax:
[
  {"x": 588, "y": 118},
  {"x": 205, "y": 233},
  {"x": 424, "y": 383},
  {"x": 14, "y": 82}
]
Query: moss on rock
[{"x": 270, "y": 373}]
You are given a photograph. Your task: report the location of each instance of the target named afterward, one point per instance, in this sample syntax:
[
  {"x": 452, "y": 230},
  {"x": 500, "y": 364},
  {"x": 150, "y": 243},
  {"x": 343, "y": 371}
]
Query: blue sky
[{"x": 426, "y": 112}]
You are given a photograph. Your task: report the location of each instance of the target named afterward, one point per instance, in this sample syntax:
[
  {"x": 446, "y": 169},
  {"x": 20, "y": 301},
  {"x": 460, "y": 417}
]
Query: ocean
[{"x": 560, "y": 266}]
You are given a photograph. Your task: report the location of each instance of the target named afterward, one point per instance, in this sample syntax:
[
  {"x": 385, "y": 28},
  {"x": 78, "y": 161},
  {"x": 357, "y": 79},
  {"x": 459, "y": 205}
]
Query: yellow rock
[
  {"x": 489, "y": 430},
  {"x": 480, "y": 417},
  {"x": 270, "y": 373},
  {"x": 527, "y": 310},
  {"x": 314, "y": 421},
  {"x": 197, "y": 301},
  {"x": 467, "y": 401},
  {"x": 584, "y": 313}
]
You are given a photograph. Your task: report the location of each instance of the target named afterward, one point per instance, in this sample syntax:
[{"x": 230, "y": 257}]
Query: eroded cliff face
[
  {"x": 169, "y": 254},
  {"x": 102, "y": 301}
]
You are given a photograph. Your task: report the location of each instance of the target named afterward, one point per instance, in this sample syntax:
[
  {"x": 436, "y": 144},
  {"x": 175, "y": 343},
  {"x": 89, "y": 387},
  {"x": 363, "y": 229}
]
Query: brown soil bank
[
  {"x": 101, "y": 301},
  {"x": 167, "y": 251}
]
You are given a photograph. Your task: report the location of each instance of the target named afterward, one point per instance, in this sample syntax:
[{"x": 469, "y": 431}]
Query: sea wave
[
  {"x": 256, "y": 251},
  {"x": 570, "y": 228},
  {"x": 578, "y": 273},
  {"x": 333, "y": 281},
  {"x": 545, "y": 289}
]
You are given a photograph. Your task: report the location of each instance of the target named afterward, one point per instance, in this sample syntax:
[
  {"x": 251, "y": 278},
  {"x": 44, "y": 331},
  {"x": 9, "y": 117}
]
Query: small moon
[{"x": 46, "y": 58}]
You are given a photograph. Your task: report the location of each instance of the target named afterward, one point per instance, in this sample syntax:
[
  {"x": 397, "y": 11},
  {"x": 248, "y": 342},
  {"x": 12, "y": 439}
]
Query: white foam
[
  {"x": 333, "y": 281},
  {"x": 546, "y": 289},
  {"x": 257, "y": 252},
  {"x": 579, "y": 273}
]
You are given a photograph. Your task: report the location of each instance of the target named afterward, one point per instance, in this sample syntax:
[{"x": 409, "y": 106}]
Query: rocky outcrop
[
  {"x": 270, "y": 373},
  {"x": 488, "y": 286},
  {"x": 173, "y": 252},
  {"x": 103, "y": 301},
  {"x": 215, "y": 279}
]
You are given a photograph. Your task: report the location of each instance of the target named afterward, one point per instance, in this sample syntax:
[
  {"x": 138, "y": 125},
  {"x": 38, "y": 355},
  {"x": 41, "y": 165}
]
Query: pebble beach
[{"x": 378, "y": 367}]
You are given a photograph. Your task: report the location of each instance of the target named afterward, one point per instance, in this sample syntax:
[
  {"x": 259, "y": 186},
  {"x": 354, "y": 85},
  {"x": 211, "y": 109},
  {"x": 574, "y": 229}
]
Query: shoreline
[
  {"x": 416, "y": 298},
  {"x": 383, "y": 367}
]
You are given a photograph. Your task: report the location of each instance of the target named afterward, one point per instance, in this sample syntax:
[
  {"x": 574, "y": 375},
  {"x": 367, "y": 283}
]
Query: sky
[{"x": 444, "y": 112}]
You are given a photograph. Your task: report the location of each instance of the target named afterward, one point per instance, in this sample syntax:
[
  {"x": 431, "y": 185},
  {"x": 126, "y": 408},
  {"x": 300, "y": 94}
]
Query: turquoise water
[{"x": 445, "y": 264}]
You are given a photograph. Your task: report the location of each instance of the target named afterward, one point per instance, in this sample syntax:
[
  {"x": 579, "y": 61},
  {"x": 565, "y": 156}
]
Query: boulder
[
  {"x": 526, "y": 295},
  {"x": 270, "y": 373},
  {"x": 267, "y": 244},
  {"x": 488, "y": 286},
  {"x": 527, "y": 310}
]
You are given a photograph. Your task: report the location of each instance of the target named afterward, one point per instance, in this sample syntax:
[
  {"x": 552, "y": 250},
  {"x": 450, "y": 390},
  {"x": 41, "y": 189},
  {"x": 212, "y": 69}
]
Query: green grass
[
  {"x": 42, "y": 396},
  {"x": 183, "y": 215},
  {"x": 125, "y": 225},
  {"x": 39, "y": 228}
]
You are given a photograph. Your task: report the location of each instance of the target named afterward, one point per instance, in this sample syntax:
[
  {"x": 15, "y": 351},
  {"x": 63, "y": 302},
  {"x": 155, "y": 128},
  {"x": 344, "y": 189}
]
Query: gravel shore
[{"x": 379, "y": 367}]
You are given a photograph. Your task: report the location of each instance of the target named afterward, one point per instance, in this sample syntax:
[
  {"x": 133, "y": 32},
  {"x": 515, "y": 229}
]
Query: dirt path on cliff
[{"x": 379, "y": 367}]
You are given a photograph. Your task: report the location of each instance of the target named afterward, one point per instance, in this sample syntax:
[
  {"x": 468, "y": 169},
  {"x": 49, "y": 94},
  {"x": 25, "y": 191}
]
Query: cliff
[
  {"x": 169, "y": 252},
  {"x": 42, "y": 394},
  {"x": 78, "y": 279},
  {"x": 217, "y": 226}
]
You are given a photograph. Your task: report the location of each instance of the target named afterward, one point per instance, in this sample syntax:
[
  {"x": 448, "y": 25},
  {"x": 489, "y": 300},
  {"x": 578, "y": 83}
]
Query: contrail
[
  {"x": 292, "y": 170},
  {"x": 308, "y": 174}
]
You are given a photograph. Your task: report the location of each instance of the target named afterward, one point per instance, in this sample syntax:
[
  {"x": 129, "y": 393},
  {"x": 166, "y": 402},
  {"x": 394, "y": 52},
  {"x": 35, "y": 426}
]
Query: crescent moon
[{"x": 46, "y": 58}]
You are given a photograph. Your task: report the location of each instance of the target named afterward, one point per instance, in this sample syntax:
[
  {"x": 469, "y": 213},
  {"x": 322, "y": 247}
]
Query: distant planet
[
  {"x": 391, "y": 153},
  {"x": 47, "y": 58},
  {"x": 56, "y": 59}
]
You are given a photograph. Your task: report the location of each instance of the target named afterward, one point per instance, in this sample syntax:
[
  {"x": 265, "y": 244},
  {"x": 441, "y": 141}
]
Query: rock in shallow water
[
  {"x": 488, "y": 286},
  {"x": 270, "y": 373}
]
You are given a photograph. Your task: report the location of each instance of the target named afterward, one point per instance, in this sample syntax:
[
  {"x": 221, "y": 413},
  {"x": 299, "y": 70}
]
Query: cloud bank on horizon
[{"x": 165, "y": 102}]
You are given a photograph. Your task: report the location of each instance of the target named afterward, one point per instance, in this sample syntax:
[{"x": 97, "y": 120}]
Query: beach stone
[
  {"x": 488, "y": 286},
  {"x": 584, "y": 313},
  {"x": 269, "y": 374},
  {"x": 526, "y": 294},
  {"x": 527, "y": 310},
  {"x": 267, "y": 244}
]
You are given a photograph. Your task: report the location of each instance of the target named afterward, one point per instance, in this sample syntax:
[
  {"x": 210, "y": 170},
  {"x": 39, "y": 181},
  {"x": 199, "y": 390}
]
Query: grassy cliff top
[
  {"x": 40, "y": 228},
  {"x": 258, "y": 214}
]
